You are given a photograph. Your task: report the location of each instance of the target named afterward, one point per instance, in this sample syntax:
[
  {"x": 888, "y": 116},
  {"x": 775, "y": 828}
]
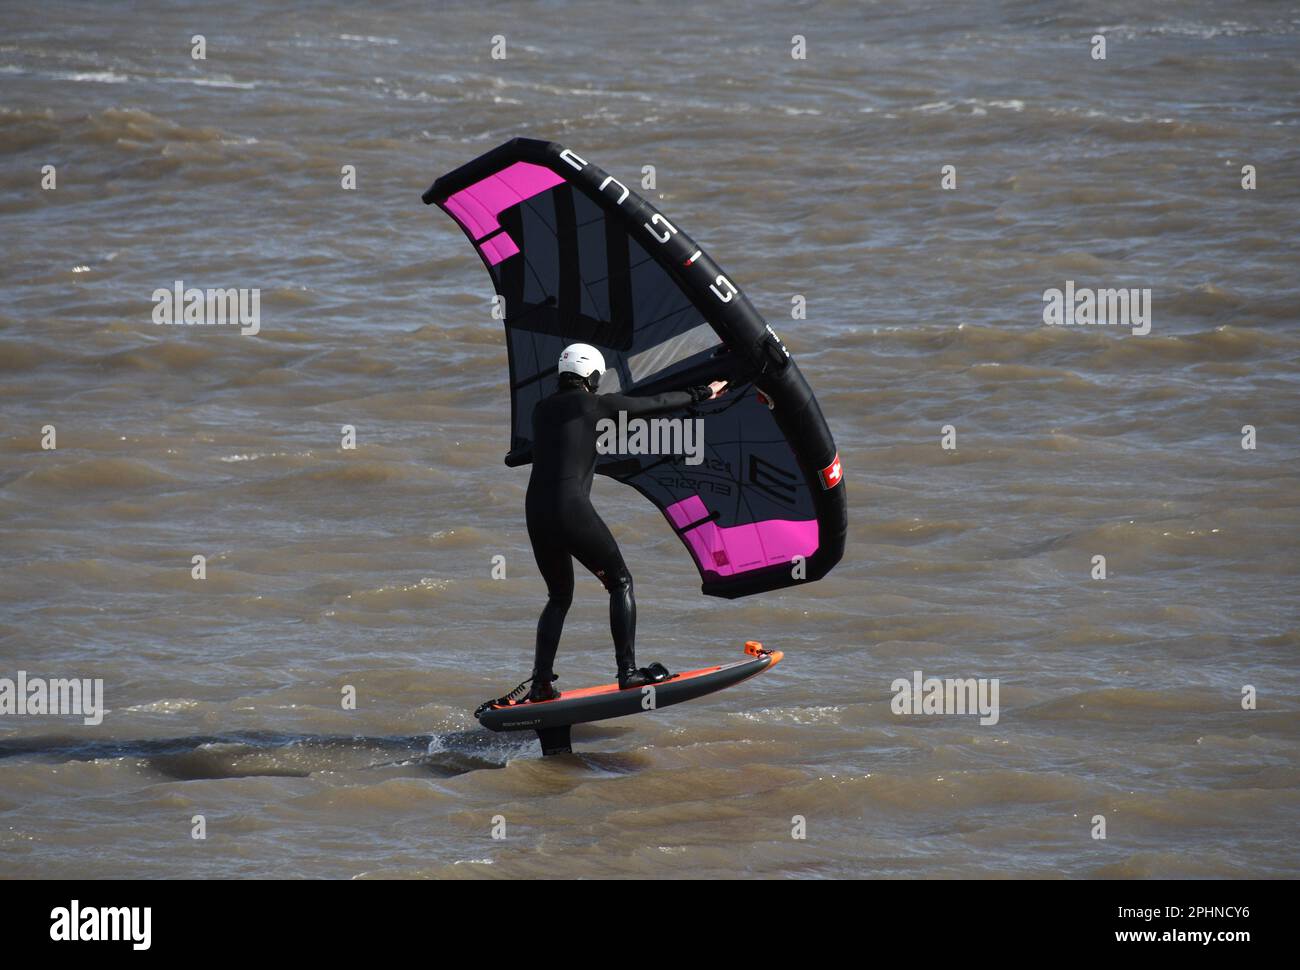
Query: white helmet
[{"x": 585, "y": 361}]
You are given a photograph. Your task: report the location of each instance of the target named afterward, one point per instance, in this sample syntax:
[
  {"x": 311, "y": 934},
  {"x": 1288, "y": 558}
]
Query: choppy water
[{"x": 371, "y": 568}]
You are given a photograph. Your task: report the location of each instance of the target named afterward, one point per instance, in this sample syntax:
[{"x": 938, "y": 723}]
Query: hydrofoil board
[{"x": 553, "y": 719}]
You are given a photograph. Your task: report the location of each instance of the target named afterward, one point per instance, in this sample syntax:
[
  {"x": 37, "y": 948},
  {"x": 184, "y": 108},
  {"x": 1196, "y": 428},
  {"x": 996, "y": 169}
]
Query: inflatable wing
[{"x": 579, "y": 257}]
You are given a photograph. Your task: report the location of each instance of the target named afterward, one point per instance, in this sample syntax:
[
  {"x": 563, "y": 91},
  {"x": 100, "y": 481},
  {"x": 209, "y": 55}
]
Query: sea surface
[{"x": 370, "y": 569}]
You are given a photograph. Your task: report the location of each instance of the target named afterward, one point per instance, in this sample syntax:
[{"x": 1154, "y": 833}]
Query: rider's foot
[
  {"x": 642, "y": 676},
  {"x": 543, "y": 688}
]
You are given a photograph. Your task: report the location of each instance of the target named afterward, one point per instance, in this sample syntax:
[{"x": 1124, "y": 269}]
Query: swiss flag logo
[{"x": 832, "y": 474}]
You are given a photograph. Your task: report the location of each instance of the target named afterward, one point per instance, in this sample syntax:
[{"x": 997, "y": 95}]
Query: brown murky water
[{"x": 1119, "y": 697}]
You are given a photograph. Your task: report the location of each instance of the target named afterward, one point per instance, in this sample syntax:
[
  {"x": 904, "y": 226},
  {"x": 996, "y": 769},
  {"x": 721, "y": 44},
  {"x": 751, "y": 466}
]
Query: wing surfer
[{"x": 563, "y": 525}]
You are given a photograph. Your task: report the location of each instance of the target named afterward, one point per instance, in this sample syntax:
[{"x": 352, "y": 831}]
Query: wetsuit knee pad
[{"x": 620, "y": 583}]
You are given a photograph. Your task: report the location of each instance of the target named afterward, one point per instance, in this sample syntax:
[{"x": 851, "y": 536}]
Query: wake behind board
[{"x": 552, "y": 720}]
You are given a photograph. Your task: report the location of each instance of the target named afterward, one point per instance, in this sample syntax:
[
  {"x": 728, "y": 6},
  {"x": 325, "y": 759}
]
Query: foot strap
[{"x": 659, "y": 672}]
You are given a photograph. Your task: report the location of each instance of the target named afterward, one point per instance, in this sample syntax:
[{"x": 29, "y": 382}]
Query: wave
[{"x": 95, "y": 475}]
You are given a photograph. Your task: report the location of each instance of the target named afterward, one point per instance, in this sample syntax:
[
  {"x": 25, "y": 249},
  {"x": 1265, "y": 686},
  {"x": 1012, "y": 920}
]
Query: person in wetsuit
[{"x": 563, "y": 525}]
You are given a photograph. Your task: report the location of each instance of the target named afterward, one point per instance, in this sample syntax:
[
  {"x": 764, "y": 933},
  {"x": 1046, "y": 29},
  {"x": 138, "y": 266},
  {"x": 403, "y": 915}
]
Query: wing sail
[{"x": 577, "y": 256}]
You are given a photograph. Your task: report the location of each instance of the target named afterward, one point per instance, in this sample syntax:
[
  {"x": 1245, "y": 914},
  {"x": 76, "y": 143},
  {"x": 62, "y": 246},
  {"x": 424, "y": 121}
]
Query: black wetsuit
[{"x": 563, "y": 525}]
